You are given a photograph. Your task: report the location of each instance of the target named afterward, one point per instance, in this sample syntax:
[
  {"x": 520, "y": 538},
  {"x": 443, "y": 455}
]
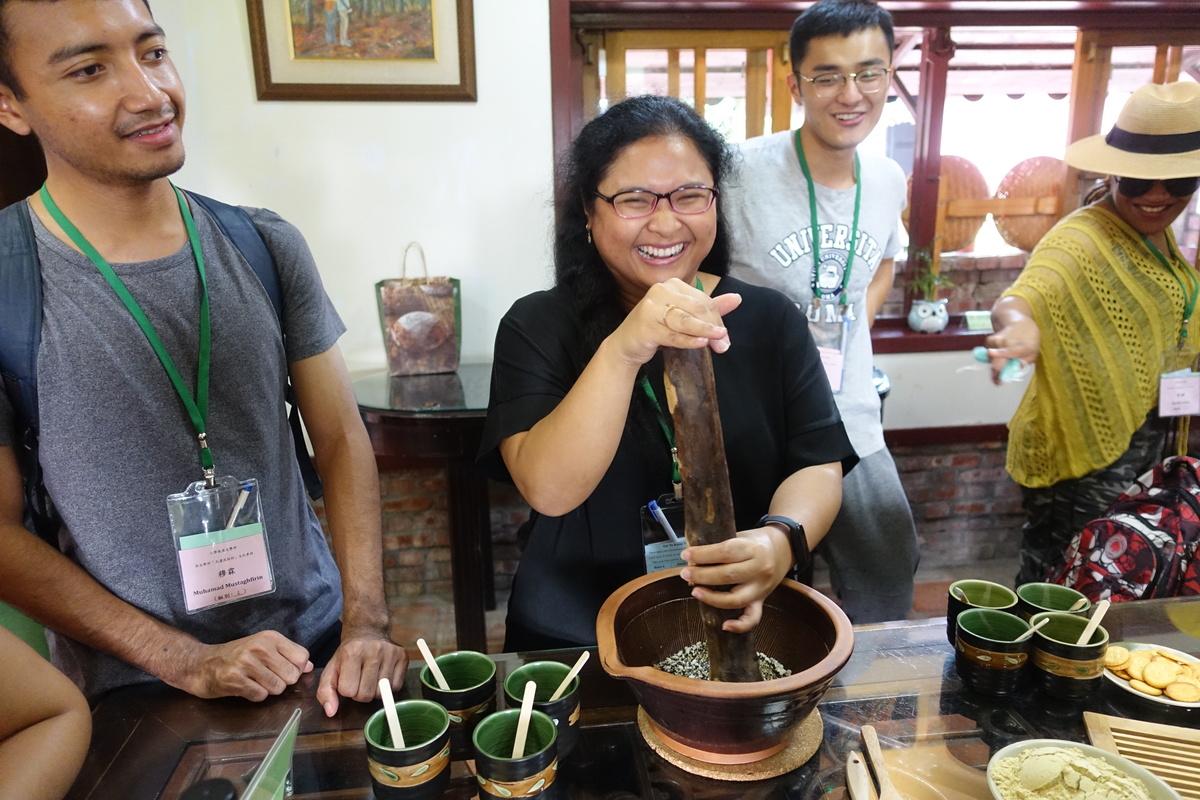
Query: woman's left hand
[{"x": 752, "y": 564}]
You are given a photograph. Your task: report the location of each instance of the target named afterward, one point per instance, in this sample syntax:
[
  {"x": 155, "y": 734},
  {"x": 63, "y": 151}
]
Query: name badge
[
  {"x": 662, "y": 533},
  {"x": 220, "y": 542},
  {"x": 829, "y": 325},
  {"x": 1179, "y": 394}
]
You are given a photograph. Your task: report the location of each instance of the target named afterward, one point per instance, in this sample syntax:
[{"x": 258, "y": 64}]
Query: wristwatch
[{"x": 796, "y": 538}]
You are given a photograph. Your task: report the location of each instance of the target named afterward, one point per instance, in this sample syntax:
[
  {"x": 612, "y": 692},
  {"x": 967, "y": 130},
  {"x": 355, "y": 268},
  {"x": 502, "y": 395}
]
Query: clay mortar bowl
[{"x": 654, "y": 616}]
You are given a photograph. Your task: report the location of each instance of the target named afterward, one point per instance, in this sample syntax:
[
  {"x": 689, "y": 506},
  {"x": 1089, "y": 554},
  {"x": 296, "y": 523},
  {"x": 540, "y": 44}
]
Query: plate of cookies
[{"x": 1160, "y": 674}]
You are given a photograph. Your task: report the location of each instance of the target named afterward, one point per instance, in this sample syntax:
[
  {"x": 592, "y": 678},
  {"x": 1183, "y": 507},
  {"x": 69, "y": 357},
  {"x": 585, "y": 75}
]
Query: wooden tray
[{"x": 1169, "y": 751}]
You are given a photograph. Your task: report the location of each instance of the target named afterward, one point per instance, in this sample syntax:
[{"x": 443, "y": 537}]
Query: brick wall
[
  {"x": 978, "y": 282},
  {"x": 965, "y": 505}
]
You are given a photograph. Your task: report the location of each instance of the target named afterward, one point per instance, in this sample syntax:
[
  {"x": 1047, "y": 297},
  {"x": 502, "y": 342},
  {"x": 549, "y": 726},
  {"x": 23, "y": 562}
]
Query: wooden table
[
  {"x": 437, "y": 420},
  {"x": 153, "y": 741}
]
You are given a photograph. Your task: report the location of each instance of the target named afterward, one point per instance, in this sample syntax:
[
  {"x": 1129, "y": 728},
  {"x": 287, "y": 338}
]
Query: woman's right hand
[
  {"x": 673, "y": 314},
  {"x": 1017, "y": 334}
]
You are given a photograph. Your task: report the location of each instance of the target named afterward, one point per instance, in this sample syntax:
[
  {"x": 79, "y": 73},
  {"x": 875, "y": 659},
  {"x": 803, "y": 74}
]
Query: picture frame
[{"x": 422, "y": 50}]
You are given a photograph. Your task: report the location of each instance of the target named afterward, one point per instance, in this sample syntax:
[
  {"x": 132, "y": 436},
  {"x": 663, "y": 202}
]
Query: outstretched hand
[
  {"x": 1017, "y": 334},
  {"x": 674, "y": 314},
  {"x": 752, "y": 564},
  {"x": 1019, "y": 339}
]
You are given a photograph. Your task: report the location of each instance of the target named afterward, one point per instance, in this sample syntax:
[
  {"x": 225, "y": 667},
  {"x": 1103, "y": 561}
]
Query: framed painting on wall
[{"x": 363, "y": 49}]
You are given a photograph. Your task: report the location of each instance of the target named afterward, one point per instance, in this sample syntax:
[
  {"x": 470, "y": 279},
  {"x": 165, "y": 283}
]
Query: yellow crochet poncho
[{"x": 1110, "y": 316}]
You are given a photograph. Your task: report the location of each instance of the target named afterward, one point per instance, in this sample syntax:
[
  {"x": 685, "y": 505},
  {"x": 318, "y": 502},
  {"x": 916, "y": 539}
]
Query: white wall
[
  {"x": 944, "y": 390},
  {"x": 470, "y": 181}
]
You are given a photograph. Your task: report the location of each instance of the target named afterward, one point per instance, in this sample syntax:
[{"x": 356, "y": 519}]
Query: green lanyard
[
  {"x": 816, "y": 228},
  {"x": 676, "y": 481},
  {"x": 197, "y": 408},
  {"x": 1189, "y": 305}
]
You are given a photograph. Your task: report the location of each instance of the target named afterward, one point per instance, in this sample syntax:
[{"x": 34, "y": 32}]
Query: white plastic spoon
[
  {"x": 1093, "y": 623},
  {"x": 1031, "y": 631},
  {"x": 518, "y": 750},
  {"x": 434, "y": 669},
  {"x": 389, "y": 711},
  {"x": 562, "y": 687}
]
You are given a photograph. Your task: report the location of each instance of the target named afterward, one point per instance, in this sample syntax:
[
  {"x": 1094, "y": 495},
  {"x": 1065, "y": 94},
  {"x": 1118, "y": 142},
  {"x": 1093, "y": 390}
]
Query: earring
[{"x": 589, "y": 235}]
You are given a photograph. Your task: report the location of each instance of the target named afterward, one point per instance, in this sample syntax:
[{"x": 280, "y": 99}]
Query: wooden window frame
[{"x": 1102, "y": 24}]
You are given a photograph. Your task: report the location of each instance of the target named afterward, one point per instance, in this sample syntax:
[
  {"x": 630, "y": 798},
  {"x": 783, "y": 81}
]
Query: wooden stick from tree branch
[{"x": 707, "y": 501}]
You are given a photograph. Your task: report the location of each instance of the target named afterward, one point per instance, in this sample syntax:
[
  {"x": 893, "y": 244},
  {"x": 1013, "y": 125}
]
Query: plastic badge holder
[{"x": 220, "y": 543}]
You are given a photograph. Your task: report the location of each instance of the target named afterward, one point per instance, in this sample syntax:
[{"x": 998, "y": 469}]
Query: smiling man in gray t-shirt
[
  {"x": 94, "y": 83},
  {"x": 833, "y": 257}
]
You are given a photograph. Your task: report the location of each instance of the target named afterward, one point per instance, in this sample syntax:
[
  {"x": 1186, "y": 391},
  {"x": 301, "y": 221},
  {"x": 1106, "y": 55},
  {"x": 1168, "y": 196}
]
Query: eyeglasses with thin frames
[
  {"x": 643, "y": 202},
  {"x": 868, "y": 81}
]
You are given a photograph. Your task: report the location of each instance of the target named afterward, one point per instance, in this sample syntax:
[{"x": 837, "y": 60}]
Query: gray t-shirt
[
  {"x": 770, "y": 223},
  {"x": 116, "y": 438}
]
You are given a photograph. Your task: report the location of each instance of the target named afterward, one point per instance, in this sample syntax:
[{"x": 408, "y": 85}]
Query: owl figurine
[{"x": 928, "y": 316}]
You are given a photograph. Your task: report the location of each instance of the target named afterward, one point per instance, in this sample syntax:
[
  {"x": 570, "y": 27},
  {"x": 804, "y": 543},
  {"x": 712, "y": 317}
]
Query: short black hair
[
  {"x": 7, "y": 77},
  {"x": 837, "y": 18}
]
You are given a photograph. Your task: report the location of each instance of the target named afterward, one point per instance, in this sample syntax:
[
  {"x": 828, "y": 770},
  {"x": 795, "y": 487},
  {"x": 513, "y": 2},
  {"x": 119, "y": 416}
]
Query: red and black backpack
[{"x": 1146, "y": 544}]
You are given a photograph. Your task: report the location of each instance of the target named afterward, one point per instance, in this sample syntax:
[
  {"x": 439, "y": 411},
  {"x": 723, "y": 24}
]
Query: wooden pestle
[{"x": 707, "y": 501}]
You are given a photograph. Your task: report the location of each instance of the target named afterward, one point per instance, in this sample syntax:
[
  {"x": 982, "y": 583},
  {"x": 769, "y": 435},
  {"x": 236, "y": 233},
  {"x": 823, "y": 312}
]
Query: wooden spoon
[
  {"x": 858, "y": 779},
  {"x": 886, "y": 790}
]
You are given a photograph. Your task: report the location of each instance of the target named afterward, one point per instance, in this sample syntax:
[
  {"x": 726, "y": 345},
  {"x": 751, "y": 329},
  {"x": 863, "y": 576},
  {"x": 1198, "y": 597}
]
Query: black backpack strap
[
  {"x": 237, "y": 226},
  {"x": 20, "y": 335}
]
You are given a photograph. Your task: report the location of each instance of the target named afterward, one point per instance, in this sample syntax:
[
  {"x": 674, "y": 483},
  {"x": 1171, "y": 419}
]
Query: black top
[{"x": 777, "y": 416}]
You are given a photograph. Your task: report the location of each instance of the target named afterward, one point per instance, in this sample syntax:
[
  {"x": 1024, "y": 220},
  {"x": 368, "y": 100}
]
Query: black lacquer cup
[
  {"x": 1061, "y": 667},
  {"x": 547, "y": 676},
  {"x": 986, "y": 655},
  {"x": 421, "y": 769},
  {"x": 970, "y": 593},
  {"x": 501, "y": 775},
  {"x": 1034, "y": 598},
  {"x": 471, "y": 677}
]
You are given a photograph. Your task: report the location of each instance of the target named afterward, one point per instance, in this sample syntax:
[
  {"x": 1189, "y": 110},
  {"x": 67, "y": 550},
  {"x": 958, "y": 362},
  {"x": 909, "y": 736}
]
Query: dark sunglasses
[{"x": 1177, "y": 187}]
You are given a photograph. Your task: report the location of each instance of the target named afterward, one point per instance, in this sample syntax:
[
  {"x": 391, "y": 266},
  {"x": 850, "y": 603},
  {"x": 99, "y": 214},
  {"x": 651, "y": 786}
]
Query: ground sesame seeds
[{"x": 692, "y": 662}]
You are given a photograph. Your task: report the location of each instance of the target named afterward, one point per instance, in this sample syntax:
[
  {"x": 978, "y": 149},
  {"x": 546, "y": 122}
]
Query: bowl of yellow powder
[{"x": 1056, "y": 769}]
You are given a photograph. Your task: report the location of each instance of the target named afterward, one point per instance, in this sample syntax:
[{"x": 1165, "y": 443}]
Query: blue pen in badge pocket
[{"x": 662, "y": 520}]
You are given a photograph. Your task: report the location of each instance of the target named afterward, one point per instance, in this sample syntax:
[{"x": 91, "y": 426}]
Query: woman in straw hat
[{"x": 1105, "y": 307}]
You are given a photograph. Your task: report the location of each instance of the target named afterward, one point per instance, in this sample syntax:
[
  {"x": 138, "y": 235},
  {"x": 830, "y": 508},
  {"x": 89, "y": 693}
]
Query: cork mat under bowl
[
  {"x": 804, "y": 741},
  {"x": 960, "y": 180},
  {"x": 1034, "y": 177}
]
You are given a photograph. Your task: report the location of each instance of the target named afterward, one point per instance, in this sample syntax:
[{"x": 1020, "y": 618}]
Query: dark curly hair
[{"x": 577, "y": 263}]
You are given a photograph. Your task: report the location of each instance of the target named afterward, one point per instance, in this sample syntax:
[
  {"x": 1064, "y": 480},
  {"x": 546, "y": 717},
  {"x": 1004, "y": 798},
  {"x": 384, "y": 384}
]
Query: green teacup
[
  {"x": 471, "y": 677},
  {"x": 1034, "y": 598},
  {"x": 421, "y": 769},
  {"x": 966, "y": 594},
  {"x": 498, "y": 773},
  {"x": 547, "y": 676}
]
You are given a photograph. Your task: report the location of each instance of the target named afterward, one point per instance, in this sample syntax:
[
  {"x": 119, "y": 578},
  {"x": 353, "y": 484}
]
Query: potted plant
[{"x": 928, "y": 313}]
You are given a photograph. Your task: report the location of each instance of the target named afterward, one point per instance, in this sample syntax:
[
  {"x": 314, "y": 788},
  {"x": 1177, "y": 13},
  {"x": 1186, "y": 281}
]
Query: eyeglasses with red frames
[
  {"x": 643, "y": 202},
  {"x": 1176, "y": 187}
]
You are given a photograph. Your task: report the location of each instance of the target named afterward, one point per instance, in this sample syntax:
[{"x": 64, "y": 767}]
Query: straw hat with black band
[{"x": 1157, "y": 136}]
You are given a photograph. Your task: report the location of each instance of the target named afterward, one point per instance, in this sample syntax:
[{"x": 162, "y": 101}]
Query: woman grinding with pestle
[{"x": 578, "y": 417}]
